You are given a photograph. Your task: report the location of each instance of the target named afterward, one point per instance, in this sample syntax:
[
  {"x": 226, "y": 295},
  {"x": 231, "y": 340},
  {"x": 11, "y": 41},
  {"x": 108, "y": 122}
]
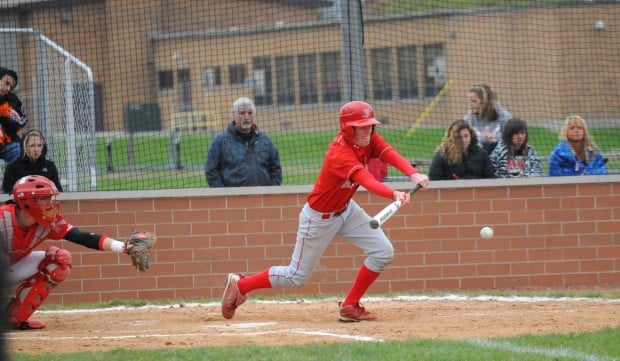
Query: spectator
[
  {"x": 242, "y": 156},
  {"x": 12, "y": 116},
  {"x": 576, "y": 154},
  {"x": 459, "y": 156},
  {"x": 514, "y": 156},
  {"x": 32, "y": 161},
  {"x": 330, "y": 211},
  {"x": 486, "y": 115}
]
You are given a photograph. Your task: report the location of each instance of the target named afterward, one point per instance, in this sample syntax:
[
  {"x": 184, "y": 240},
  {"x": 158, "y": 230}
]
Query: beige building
[{"x": 191, "y": 59}]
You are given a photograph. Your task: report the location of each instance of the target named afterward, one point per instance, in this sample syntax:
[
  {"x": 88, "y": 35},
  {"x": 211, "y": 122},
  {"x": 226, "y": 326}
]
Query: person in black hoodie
[
  {"x": 460, "y": 156},
  {"x": 12, "y": 116},
  {"x": 33, "y": 161}
]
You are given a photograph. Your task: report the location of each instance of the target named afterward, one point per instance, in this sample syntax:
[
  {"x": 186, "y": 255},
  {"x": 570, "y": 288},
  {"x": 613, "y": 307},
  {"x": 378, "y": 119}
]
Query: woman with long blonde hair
[{"x": 576, "y": 154}]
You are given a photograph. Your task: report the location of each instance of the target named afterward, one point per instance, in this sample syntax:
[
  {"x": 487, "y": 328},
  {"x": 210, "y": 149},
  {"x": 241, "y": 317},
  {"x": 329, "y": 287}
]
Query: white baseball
[{"x": 486, "y": 232}]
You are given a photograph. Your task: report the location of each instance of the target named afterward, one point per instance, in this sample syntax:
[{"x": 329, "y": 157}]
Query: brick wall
[{"x": 549, "y": 232}]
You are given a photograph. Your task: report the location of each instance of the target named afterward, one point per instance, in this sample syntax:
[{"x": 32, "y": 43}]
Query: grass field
[
  {"x": 592, "y": 346},
  {"x": 153, "y": 166}
]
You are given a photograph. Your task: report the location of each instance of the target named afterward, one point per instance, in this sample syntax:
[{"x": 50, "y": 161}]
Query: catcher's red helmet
[
  {"x": 356, "y": 114},
  {"x": 29, "y": 189}
]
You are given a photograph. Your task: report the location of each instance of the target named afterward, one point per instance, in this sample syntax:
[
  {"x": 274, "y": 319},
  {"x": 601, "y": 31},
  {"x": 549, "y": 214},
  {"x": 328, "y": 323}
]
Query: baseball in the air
[{"x": 486, "y": 232}]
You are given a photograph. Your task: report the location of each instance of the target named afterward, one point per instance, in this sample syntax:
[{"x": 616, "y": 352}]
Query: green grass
[
  {"x": 427, "y": 5},
  {"x": 599, "y": 345},
  {"x": 151, "y": 166}
]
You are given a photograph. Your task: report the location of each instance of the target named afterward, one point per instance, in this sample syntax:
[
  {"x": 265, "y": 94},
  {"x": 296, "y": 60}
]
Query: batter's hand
[
  {"x": 401, "y": 196},
  {"x": 421, "y": 179}
]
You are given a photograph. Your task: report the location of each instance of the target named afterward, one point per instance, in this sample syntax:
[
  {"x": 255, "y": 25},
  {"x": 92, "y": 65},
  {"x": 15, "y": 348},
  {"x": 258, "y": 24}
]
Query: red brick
[{"x": 545, "y": 236}]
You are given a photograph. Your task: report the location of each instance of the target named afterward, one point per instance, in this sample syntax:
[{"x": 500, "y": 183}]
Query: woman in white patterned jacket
[{"x": 514, "y": 156}]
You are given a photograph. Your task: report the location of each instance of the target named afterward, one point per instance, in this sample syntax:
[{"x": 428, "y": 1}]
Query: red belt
[{"x": 335, "y": 213}]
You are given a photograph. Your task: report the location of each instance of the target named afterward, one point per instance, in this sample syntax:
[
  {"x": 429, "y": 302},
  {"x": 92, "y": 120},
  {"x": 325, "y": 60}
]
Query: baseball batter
[{"x": 330, "y": 211}]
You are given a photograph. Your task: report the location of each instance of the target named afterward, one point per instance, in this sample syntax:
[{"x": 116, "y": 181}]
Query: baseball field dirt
[{"x": 301, "y": 322}]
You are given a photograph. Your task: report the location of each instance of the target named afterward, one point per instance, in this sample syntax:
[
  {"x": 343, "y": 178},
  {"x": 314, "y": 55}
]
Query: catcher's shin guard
[{"x": 53, "y": 269}]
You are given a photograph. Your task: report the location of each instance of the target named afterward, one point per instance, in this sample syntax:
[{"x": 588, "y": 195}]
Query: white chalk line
[
  {"x": 554, "y": 353},
  {"x": 311, "y": 333},
  {"x": 321, "y": 333},
  {"x": 482, "y": 298}
]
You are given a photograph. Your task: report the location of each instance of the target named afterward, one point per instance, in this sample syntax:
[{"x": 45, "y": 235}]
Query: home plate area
[{"x": 301, "y": 322}]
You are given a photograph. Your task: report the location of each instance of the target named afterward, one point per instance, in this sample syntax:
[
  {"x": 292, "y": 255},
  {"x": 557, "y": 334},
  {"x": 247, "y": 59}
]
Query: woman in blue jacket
[{"x": 576, "y": 154}]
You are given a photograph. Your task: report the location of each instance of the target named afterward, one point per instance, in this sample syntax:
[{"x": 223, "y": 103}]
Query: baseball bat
[{"x": 387, "y": 212}]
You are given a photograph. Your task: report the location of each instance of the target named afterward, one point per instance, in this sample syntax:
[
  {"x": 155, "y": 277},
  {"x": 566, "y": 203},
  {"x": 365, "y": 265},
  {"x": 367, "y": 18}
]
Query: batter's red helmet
[
  {"x": 356, "y": 114},
  {"x": 29, "y": 189}
]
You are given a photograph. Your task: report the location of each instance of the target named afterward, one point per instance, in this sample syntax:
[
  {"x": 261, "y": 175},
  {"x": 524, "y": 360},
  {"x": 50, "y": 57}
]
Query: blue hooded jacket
[{"x": 563, "y": 162}]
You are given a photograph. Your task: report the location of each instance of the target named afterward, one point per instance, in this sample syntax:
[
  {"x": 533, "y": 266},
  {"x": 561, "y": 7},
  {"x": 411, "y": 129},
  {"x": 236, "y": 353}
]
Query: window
[
  {"x": 307, "y": 79},
  {"x": 435, "y": 75},
  {"x": 211, "y": 77},
  {"x": 185, "y": 90},
  {"x": 381, "y": 65},
  {"x": 407, "y": 69},
  {"x": 166, "y": 81},
  {"x": 330, "y": 77},
  {"x": 261, "y": 81},
  {"x": 237, "y": 74},
  {"x": 285, "y": 80}
]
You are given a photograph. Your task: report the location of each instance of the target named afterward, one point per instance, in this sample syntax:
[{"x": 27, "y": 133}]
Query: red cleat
[
  {"x": 232, "y": 297},
  {"x": 29, "y": 325},
  {"x": 355, "y": 313}
]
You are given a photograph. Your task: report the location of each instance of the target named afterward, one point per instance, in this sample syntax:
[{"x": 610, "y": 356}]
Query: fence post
[
  {"x": 130, "y": 150},
  {"x": 108, "y": 147},
  {"x": 174, "y": 156}
]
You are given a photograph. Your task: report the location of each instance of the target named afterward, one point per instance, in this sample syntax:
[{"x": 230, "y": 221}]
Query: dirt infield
[{"x": 271, "y": 323}]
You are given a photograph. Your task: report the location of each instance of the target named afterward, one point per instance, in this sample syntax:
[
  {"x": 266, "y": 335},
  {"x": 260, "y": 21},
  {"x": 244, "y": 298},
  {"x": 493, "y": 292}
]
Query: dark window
[
  {"x": 381, "y": 63},
  {"x": 407, "y": 72},
  {"x": 330, "y": 77},
  {"x": 185, "y": 90},
  {"x": 307, "y": 79},
  {"x": 285, "y": 70},
  {"x": 166, "y": 80},
  {"x": 237, "y": 74}
]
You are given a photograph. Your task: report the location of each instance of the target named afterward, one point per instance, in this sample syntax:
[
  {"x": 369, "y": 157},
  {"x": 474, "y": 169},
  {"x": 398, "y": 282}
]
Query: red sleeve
[
  {"x": 391, "y": 156},
  {"x": 368, "y": 181}
]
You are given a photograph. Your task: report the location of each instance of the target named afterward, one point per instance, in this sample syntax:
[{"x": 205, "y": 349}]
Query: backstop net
[
  {"x": 165, "y": 75},
  {"x": 58, "y": 95}
]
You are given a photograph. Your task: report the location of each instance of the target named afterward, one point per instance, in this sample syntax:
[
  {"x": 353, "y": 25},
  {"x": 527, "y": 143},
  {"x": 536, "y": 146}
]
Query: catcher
[{"x": 33, "y": 217}]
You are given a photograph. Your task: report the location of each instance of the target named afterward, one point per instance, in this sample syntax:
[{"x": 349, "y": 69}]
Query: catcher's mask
[
  {"x": 356, "y": 114},
  {"x": 37, "y": 195}
]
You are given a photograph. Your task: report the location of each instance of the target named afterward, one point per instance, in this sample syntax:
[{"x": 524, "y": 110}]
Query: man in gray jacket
[{"x": 241, "y": 155}]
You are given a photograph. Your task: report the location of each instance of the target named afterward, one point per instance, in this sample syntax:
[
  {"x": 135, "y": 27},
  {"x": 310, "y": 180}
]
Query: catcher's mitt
[{"x": 137, "y": 246}]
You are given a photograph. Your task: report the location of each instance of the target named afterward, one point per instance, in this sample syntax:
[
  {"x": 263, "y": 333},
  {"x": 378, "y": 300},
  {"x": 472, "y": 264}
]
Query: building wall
[
  {"x": 549, "y": 232},
  {"x": 572, "y": 68},
  {"x": 538, "y": 60},
  {"x": 112, "y": 37}
]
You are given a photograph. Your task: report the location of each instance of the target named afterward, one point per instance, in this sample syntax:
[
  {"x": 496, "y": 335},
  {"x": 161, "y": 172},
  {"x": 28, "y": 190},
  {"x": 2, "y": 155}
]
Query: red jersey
[
  {"x": 334, "y": 187},
  {"x": 18, "y": 241}
]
